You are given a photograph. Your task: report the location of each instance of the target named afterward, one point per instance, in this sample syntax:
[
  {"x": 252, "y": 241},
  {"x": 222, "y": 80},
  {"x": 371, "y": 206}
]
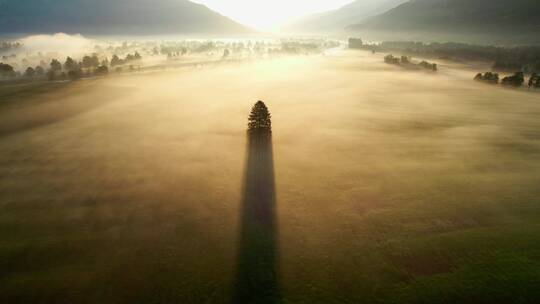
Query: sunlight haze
[
  {"x": 268, "y": 15},
  {"x": 269, "y": 151}
]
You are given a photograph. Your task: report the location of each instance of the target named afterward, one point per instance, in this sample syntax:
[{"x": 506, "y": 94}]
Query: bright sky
[{"x": 269, "y": 14}]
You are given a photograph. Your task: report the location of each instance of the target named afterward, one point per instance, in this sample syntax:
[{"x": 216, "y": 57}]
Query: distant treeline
[
  {"x": 406, "y": 62},
  {"x": 9, "y": 46},
  {"x": 517, "y": 80},
  {"x": 90, "y": 65},
  {"x": 292, "y": 47},
  {"x": 519, "y": 58}
]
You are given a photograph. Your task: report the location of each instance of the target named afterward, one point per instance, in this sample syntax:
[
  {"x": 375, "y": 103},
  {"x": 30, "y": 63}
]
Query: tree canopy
[
  {"x": 355, "y": 43},
  {"x": 71, "y": 65},
  {"x": 534, "y": 81},
  {"x": 515, "y": 80},
  {"x": 260, "y": 118},
  {"x": 30, "y": 72},
  {"x": 55, "y": 65},
  {"x": 90, "y": 61},
  {"x": 6, "y": 70},
  {"x": 488, "y": 77}
]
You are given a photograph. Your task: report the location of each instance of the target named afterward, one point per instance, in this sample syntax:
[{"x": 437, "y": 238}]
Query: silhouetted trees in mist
[
  {"x": 6, "y": 46},
  {"x": 520, "y": 58},
  {"x": 71, "y": 65},
  {"x": 55, "y": 65},
  {"x": 488, "y": 77},
  {"x": 428, "y": 66},
  {"x": 102, "y": 70},
  {"x": 40, "y": 71},
  {"x": 515, "y": 80},
  {"x": 30, "y": 72},
  {"x": 260, "y": 118},
  {"x": 534, "y": 81},
  {"x": 117, "y": 61},
  {"x": 355, "y": 43},
  {"x": 7, "y": 70},
  {"x": 406, "y": 62},
  {"x": 90, "y": 65},
  {"x": 390, "y": 59},
  {"x": 226, "y": 53}
]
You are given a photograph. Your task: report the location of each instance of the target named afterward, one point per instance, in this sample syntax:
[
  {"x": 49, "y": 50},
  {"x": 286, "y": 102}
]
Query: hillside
[
  {"x": 338, "y": 20},
  {"x": 116, "y": 17},
  {"x": 503, "y": 19}
]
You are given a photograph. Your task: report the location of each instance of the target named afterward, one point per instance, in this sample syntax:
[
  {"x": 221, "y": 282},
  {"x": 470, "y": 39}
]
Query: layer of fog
[
  {"x": 365, "y": 153},
  {"x": 60, "y": 43}
]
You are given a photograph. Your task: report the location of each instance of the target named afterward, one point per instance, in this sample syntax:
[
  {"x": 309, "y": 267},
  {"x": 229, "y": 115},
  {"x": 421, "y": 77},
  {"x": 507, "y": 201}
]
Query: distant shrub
[
  {"x": 55, "y": 65},
  {"x": 30, "y": 72},
  {"x": 534, "y": 81},
  {"x": 390, "y": 59},
  {"x": 116, "y": 61},
  {"x": 428, "y": 66},
  {"x": 75, "y": 74},
  {"x": 51, "y": 75},
  {"x": 102, "y": 70},
  {"x": 7, "y": 70},
  {"x": 355, "y": 43},
  {"x": 90, "y": 62},
  {"x": 406, "y": 62},
  {"x": 71, "y": 65},
  {"x": 226, "y": 53},
  {"x": 40, "y": 71},
  {"x": 515, "y": 80},
  {"x": 488, "y": 77}
]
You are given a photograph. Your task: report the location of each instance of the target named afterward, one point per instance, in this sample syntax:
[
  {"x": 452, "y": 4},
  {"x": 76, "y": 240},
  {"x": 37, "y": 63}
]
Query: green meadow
[{"x": 390, "y": 185}]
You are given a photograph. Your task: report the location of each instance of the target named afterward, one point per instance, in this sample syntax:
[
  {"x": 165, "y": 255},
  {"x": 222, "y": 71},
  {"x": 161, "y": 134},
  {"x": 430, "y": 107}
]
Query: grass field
[{"x": 391, "y": 186}]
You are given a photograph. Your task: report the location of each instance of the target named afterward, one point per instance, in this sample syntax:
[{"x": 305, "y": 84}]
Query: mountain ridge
[
  {"x": 337, "y": 20},
  {"x": 114, "y": 17},
  {"x": 495, "y": 18}
]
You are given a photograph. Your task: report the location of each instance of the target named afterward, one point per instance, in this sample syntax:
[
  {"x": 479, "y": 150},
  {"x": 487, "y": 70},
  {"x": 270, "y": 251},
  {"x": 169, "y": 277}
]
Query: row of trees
[
  {"x": 72, "y": 69},
  {"x": 406, "y": 61},
  {"x": 390, "y": 59},
  {"x": 487, "y": 77},
  {"x": 522, "y": 58},
  {"x": 428, "y": 66},
  {"x": 516, "y": 80},
  {"x": 117, "y": 61}
]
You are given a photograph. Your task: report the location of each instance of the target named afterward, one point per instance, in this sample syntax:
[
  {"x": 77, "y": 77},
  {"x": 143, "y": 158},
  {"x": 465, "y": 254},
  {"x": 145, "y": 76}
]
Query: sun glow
[{"x": 269, "y": 14}]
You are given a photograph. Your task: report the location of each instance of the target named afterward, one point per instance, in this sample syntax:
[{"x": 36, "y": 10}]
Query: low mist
[
  {"x": 74, "y": 45},
  {"x": 141, "y": 175}
]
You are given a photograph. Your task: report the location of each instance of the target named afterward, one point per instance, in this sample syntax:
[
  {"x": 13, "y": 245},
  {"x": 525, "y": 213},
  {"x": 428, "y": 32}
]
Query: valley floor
[{"x": 391, "y": 186}]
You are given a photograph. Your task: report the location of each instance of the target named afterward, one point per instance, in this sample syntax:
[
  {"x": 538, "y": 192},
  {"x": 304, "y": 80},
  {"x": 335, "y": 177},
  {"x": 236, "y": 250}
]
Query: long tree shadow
[{"x": 257, "y": 267}]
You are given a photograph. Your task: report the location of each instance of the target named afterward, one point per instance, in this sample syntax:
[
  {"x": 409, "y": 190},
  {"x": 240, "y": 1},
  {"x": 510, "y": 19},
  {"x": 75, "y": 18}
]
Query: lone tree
[{"x": 260, "y": 118}]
